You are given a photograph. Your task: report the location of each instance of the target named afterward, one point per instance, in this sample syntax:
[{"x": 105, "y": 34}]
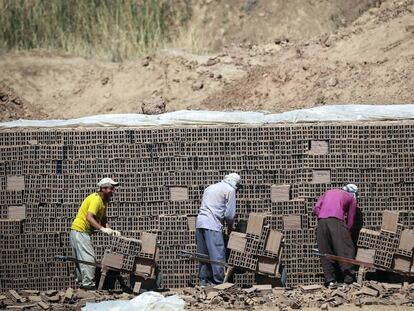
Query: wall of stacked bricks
[{"x": 46, "y": 173}]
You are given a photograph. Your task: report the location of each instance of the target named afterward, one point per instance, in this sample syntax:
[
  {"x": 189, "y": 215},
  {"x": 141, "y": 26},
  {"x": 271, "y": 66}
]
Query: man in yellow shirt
[{"x": 91, "y": 216}]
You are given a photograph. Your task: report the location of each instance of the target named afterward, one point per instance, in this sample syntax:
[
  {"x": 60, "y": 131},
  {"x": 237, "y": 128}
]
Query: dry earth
[{"x": 297, "y": 65}]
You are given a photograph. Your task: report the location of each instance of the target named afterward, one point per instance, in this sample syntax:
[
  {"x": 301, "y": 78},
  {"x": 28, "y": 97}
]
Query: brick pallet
[{"x": 46, "y": 173}]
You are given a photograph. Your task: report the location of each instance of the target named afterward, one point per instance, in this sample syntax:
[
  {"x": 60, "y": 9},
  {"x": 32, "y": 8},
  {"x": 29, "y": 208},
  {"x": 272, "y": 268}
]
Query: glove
[{"x": 109, "y": 231}]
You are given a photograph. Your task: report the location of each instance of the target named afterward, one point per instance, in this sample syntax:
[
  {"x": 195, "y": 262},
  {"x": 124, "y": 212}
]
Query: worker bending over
[
  {"x": 218, "y": 206},
  {"x": 91, "y": 216},
  {"x": 336, "y": 210}
]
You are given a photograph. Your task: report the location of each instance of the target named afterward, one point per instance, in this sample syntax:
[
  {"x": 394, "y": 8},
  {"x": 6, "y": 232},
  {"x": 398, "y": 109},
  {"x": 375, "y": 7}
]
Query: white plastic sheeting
[
  {"x": 194, "y": 117},
  {"x": 148, "y": 301}
]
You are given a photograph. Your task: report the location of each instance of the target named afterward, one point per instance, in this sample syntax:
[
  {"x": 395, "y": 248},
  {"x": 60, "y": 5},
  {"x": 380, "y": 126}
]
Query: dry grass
[{"x": 107, "y": 29}]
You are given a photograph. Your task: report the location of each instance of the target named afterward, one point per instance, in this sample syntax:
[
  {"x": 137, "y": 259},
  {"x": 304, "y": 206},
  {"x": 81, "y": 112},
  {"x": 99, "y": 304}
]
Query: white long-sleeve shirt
[{"x": 218, "y": 205}]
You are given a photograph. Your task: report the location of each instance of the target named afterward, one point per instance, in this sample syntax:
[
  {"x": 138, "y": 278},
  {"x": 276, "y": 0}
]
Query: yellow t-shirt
[{"x": 94, "y": 205}]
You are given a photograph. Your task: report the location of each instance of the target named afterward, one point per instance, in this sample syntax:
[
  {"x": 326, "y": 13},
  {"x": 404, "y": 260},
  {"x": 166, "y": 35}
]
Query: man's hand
[{"x": 109, "y": 231}]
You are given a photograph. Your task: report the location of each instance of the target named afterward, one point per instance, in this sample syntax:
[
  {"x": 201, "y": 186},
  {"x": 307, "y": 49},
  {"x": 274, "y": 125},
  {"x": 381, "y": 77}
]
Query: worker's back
[
  {"x": 334, "y": 203},
  {"x": 213, "y": 206}
]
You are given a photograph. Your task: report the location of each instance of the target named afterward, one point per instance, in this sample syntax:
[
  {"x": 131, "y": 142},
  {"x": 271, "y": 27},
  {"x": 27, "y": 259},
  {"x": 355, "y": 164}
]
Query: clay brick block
[
  {"x": 319, "y": 147},
  {"x": 237, "y": 241},
  {"x": 113, "y": 260},
  {"x": 292, "y": 222},
  {"x": 407, "y": 240},
  {"x": 137, "y": 287},
  {"x": 149, "y": 243},
  {"x": 178, "y": 194},
  {"x": 402, "y": 263},
  {"x": 192, "y": 222},
  {"x": 255, "y": 223},
  {"x": 15, "y": 183},
  {"x": 321, "y": 176},
  {"x": 273, "y": 242},
  {"x": 16, "y": 212},
  {"x": 390, "y": 221},
  {"x": 366, "y": 255},
  {"x": 144, "y": 266},
  {"x": 267, "y": 265},
  {"x": 279, "y": 193}
]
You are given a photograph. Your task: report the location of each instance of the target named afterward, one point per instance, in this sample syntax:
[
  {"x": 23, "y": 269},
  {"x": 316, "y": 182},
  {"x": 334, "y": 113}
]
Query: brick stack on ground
[{"x": 46, "y": 173}]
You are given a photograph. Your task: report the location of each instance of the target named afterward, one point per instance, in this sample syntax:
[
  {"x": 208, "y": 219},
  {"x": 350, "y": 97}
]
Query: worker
[
  {"x": 336, "y": 210},
  {"x": 91, "y": 216},
  {"x": 218, "y": 207}
]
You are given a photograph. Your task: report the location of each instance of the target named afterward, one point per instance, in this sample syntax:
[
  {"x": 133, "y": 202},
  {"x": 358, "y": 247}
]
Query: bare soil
[{"x": 317, "y": 53}]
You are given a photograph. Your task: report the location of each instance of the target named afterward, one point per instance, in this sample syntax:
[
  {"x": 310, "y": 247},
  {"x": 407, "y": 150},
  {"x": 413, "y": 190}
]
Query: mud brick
[
  {"x": 178, "y": 193},
  {"x": 407, "y": 240},
  {"x": 255, "y": 224},
  {"x": 402, "y": 263},
  {"x": 268, "y": 265},
  {"x": 237, "y": 241},
  {"x": 113, "y": 260},
  {"x": 16, "y": 212},
  {"x": 292, "y": 222},
  {"x": 273, "y": 242},
  {"x": 15, "y": 183},
  {"x": 319, "y": 147},
  {"x": 280, "y": 193},
  {"x": 366, "y": 255},
  {"x": 390, "y": 221},
  {"x": 321, "y": 176}
]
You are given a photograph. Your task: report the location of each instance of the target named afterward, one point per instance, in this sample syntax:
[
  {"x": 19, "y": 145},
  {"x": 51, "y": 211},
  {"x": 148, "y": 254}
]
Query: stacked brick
[
  {"x": 391, "y": 247},
  {"x": 46, "y": 173}
]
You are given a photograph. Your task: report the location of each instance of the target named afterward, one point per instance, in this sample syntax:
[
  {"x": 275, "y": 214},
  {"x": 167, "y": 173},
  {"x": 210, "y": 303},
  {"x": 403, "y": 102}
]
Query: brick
[
  {"x": 267, "y": 265},
  {"x": 407, "y": 240},
  {"x": 149, "y": 243},
  {"x": 365, "y": 255},
  {"x": 280, "y": 193},
  {"x": 402, "y": 263},
  {"x": 273, "y": 242},
  {"x": 113, "y": 260},
  {"x": 178, "y": 194},
  {"x": 237, "y": 241},
  {"x": 292, "y": 222},
  {"x": 191, "y": 220},
  {"x": 16, "y": 212},
  {"x": 255, "y": 223},
  {"x": 390, "y": 221},
  {"x": 15, "y": 183},
  {"x": 144, "y": 267},
  {"x": 319, "y": 147},
  {"x": 137, "y": 288},
  {"x": 321, "y": 176}
]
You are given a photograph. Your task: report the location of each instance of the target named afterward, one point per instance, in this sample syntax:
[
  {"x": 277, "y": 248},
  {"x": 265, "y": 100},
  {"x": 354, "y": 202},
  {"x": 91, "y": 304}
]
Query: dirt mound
[
  {"x": 370, "y": 61},
  {"x": 13, "y": 106}
]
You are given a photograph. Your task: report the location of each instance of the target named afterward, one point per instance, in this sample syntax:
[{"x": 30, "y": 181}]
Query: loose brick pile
[{"x": 46, "y": 173}]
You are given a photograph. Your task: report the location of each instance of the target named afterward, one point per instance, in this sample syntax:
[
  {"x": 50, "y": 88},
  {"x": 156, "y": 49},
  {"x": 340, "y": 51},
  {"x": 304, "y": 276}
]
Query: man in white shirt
[{"x": 217, "y": 207}]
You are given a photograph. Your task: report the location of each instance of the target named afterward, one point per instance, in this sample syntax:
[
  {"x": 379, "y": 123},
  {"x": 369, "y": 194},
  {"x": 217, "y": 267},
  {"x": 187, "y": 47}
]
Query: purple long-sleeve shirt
[{"x": 337, "y": 203}]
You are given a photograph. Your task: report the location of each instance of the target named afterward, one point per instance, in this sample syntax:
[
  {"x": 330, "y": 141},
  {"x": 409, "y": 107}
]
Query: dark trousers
[{"x": 334, "y": 238}]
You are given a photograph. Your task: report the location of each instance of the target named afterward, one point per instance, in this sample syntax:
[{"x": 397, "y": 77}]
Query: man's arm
[
  {"x": 351, "y": 214},
  {"x": 318, "y": 205},
  {"x": 93, "y": 222},
  {"x": 230, "y": 212}
]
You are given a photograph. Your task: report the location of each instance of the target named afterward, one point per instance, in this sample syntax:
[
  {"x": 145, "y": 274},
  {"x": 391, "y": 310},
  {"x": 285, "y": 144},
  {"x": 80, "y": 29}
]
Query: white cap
[
  {"x": 351, "y": 188},
  {"x": 232, "y": 179},
  {"x": 106, "y": 182}
]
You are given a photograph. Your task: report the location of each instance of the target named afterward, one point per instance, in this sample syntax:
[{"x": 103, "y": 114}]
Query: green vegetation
[{"x": 108, "y": 29}]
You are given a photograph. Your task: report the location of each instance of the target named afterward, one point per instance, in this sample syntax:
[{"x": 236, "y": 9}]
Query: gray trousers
[
  {"x": 334, "y": 238},
  {"x": 83, "y": 250},
  {"x": 211, "y": 243}
]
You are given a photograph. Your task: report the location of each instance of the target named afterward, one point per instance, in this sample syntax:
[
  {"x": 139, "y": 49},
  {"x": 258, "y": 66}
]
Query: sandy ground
[{"x": 370, "y": 61}]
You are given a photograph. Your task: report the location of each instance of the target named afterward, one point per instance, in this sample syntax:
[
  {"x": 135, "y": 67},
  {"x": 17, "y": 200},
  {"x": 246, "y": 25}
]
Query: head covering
[
  {"x": 232, "y": 179},
  {"x": 351, "y": 188},
  {"x": 106, "y": 182}
]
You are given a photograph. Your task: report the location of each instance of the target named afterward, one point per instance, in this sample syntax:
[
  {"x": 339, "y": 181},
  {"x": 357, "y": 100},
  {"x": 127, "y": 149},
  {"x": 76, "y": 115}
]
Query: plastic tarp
[
  {"x": 148, "y": 301},
  {"x": 193, "y": 117}
]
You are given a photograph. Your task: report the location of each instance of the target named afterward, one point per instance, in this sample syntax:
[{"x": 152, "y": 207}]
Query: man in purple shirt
[
  {"x": 336, "y": 210},
  {"x": 218, "y": 207}
]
